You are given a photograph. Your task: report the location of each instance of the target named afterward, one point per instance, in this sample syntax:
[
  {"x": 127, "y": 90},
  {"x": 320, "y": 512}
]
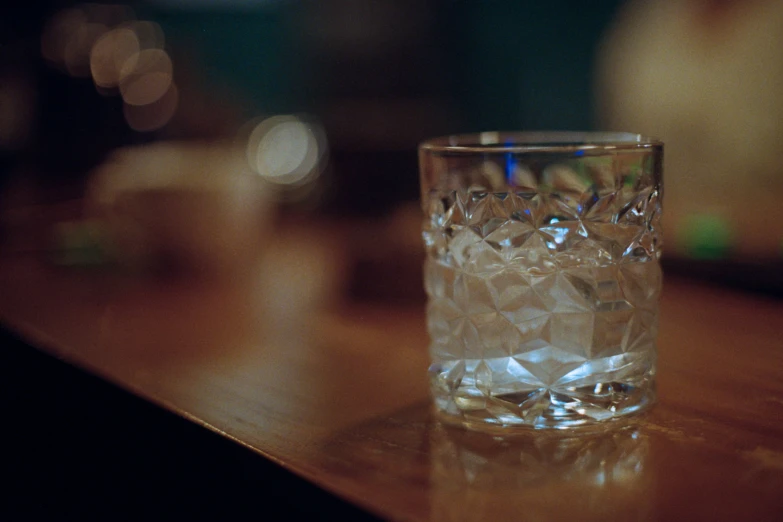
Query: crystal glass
[{"x": 542, "y": 275}]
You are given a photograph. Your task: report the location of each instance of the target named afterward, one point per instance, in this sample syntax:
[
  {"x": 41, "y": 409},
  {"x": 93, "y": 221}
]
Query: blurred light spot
[
  {"x": 489, "y": 138},
  {"x": 153, "y": 116},
  {"x": 68, "y": 36},
  {"x": 705, "y": 236},
  {"x": 110, "y": 53},
  {"x": 145, "y": 77},
  {"x": 511, "y": 164},
  {"x": 286, "y": 150}
]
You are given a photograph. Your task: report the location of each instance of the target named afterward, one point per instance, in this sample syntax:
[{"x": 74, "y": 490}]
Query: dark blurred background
[
  {"x": 327, "y": 100},
  {"x": 380, "y": 76}
]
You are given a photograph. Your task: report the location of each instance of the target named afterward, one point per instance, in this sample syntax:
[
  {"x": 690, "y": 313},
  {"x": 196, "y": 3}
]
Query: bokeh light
[
  {"x": 110, "y": 53},
  {"x": 286, "y": 150},
  {"x": 69, "y": 35},
  {"x": 121, "y": 54},
  {"x": 145, "y": 77}
]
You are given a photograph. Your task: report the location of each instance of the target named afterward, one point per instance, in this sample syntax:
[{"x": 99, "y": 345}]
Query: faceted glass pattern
[{"x": 543, "y": 280}]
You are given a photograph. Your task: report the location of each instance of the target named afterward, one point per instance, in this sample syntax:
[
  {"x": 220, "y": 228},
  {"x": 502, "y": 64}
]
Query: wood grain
[{"x": 338, "y": 395}]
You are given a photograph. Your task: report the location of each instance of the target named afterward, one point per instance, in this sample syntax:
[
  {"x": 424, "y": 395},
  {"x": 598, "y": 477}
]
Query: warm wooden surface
[{"x": 339, "y": 397}]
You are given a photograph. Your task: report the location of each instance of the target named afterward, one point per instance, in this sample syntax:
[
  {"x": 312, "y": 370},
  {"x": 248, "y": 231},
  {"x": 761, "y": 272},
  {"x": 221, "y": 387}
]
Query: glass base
[{"x": 594, "y": 406}]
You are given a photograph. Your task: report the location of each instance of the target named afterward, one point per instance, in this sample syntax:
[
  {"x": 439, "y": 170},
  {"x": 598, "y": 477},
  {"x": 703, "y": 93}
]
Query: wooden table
[{"x": 338, "y": 396}]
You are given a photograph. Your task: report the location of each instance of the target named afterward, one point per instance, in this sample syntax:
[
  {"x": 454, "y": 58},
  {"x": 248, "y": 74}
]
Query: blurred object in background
[
  {"x": 74, "y": 126},
  {"x": 127, "y": 59},
  {"x": 706, "y": 76},
  {"x": 104, "y": 79},
  {"x": 328, "y": 101},
  {"x": 380, "y": 78},
  {"x": 192, "y": 207},
  {"x": 383, "y": 76}
]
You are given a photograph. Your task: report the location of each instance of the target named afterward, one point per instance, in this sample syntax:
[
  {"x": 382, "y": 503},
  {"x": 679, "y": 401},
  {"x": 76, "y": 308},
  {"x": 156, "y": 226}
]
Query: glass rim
[{"x": 539, "y": 141}]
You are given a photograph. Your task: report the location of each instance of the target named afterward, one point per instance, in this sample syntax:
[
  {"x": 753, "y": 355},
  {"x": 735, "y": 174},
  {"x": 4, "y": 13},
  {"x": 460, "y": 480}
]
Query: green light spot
[
  {"x": 704, "y": 236},
  {"x": 81, "y": 243}
]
